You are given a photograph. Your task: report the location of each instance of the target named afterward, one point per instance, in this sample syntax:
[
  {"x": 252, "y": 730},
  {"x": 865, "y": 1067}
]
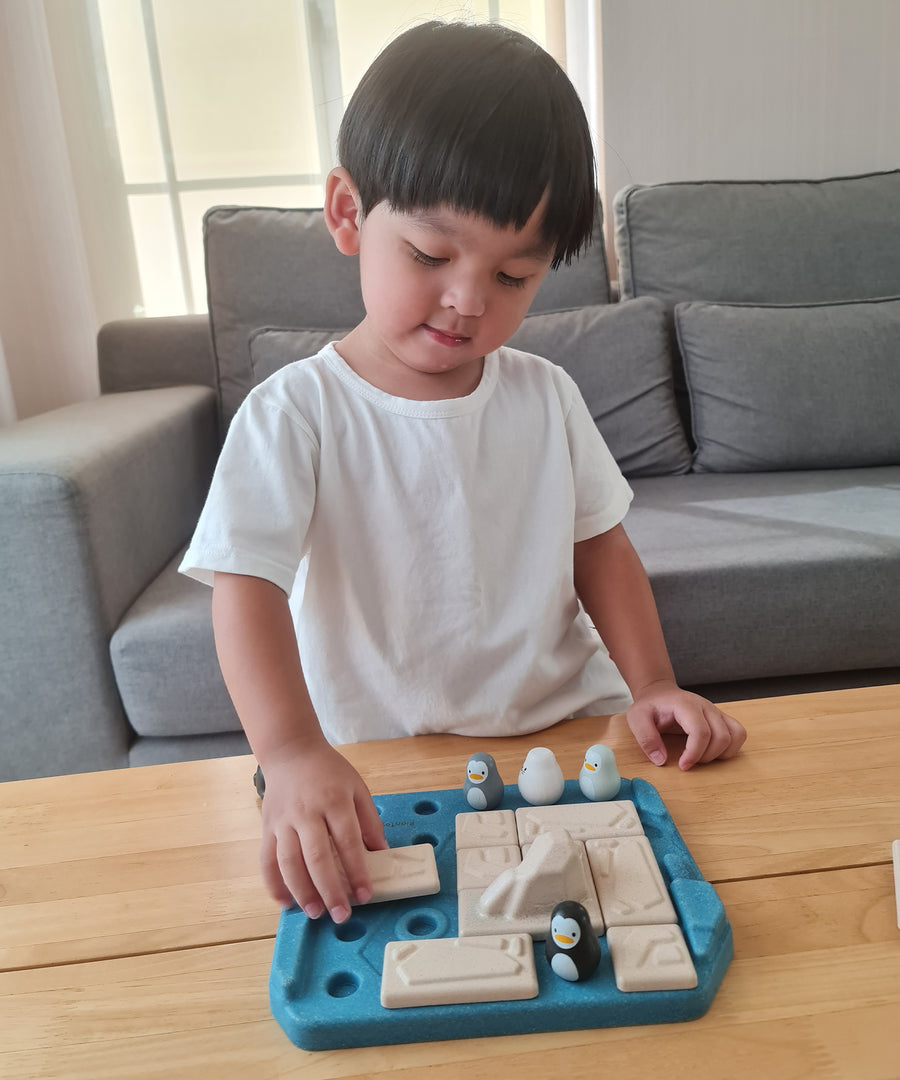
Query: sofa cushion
[
  {"x": 768, "y": 574},
  {"x": 618, "y": 354},
  {"x": 279, "y": 267},
  {"x": 799, "y": 387},
  {"x": 620, "y": 358},
  {"x": 273, "y": 347},
  {"x": 164, "y": 657},
  {"x": 790, "y": 241}
]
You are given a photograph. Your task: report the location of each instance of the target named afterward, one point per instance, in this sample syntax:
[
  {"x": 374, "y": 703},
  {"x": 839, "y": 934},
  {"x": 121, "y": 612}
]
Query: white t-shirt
[{"x": 426, "y": 546}]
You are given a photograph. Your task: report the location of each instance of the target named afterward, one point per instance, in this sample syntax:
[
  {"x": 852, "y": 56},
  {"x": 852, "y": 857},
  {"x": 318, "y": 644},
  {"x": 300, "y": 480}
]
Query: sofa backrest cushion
[
  {"x": 785, "y": 242},
  {"x": 618, "y": 354},
  {"x": 792, "y": 387},
  {"x": 274, "y": 267}
]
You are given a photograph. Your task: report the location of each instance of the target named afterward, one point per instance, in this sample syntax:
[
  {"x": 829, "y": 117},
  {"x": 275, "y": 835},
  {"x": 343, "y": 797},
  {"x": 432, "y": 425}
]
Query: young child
[{"x": 417, "y": 530}]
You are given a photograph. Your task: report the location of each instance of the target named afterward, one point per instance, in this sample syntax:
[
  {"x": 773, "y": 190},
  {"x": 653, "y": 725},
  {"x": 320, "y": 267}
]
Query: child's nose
[{"x": 466, "y": 296}]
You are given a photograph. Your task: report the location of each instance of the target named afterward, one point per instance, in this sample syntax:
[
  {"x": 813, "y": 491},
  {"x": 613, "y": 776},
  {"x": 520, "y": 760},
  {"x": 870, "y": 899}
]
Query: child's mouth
[{"x": 443, "y": 338}]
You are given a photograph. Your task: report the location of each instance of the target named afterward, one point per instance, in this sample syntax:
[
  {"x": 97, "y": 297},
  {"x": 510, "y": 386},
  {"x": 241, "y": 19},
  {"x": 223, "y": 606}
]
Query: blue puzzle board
[{"x": 325, "y": 982}]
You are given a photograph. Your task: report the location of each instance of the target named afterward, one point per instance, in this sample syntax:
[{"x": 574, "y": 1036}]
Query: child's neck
[{"x": 383, "y": 370}]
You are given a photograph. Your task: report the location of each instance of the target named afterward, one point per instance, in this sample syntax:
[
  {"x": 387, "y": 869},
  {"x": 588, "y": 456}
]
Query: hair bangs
[{"x": 477, "y": 118}]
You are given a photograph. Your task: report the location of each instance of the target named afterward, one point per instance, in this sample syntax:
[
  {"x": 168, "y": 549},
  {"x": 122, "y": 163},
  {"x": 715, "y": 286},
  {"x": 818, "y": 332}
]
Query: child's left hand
[{"x": 664, "y": 708}]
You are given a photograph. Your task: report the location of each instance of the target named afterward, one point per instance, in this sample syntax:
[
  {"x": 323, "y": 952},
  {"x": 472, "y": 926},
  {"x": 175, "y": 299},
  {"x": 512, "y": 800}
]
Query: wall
[{"x": 747, "y": 89}]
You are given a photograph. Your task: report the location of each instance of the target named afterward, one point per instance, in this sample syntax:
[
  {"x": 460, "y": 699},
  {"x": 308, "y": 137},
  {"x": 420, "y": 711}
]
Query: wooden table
[{"x": 136, "y": 938}]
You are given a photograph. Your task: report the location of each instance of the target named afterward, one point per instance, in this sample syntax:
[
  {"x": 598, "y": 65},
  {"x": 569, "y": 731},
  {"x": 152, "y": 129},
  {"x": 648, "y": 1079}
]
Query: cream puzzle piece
[
  {"x": 453, "y": 971},
  {"x": 521, "y": 898},
  {"x": 476, "y": 868},
  {"x": 512, "y": 870},
  {"x": 895, "y": 848},
  {"x": 398, "y": 873},
  {"x": 489, "y": 828},
  {"x": 650, "y": 958},
  {"x": 582, "y": 821},
  {"x": 629, "y": 883}
]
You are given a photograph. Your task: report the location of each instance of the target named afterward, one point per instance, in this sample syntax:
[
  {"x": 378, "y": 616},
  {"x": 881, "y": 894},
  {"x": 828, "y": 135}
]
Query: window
[{"x": 239, "y": 101}]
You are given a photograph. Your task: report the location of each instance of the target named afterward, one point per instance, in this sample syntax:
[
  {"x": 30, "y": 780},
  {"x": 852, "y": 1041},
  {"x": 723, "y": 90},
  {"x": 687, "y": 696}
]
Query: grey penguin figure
[
  {"x": 572, "y": 948},
  {"x": 483, "y": 787}
]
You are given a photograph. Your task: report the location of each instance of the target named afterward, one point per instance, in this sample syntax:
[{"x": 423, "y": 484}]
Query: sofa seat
[
  {"x": 168, "y": 630},
  {"x": 792, "y": 569},
  {"x": 796, "y": 570}
]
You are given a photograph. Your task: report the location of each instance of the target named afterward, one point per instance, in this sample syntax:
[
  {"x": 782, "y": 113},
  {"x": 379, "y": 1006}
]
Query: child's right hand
[{"x": 318, "y": 818}]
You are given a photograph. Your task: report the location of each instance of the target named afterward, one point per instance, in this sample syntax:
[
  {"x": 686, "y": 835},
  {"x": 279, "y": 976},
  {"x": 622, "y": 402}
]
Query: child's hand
[
  {"x": 318, "y": 818},
  {"x": 664, "y": 708}
]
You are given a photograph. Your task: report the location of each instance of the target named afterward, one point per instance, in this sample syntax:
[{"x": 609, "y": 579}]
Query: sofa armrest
[
  {"x": 142, "y": 354},
  {"x": 95, "y": 498}
]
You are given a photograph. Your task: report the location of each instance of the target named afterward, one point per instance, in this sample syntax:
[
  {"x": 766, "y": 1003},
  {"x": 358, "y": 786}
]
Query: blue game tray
[{"x": 325, "y": 983}]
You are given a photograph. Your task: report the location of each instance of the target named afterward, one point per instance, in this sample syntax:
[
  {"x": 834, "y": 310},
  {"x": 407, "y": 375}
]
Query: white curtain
[
  {"x": 7, "y": 402},
  {"x": 47, "y": 319}
]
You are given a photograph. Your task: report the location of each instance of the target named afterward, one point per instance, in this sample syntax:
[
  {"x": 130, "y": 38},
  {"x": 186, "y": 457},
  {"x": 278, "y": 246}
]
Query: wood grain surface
[{"x": 136, "y": 938}]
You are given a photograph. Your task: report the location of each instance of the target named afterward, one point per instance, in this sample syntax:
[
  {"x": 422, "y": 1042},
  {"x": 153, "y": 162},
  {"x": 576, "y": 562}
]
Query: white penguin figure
[
  {"x": 541, "y": 781},
  {"x": 483, "y": 786},
  {"x": 599, "y": 778},
  {"x": 571, "y": 946}
]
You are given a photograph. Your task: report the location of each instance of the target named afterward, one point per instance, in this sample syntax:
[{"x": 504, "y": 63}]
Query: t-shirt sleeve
[
  {"x": 261, "y": 499},
  {"x": 602, "y": 494}
]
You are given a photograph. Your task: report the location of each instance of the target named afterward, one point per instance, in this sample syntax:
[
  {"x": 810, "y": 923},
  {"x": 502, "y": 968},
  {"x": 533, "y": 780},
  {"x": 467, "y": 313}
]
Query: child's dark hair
[{"x": 478, "y": 118}]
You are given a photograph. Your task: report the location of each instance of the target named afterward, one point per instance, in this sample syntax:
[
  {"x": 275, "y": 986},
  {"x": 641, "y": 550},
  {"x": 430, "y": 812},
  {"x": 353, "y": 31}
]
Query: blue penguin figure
[
  {"x": 483, "y": 787},
  {"x": 599, "y": 777},
  {"x": 572, "y": 948}
]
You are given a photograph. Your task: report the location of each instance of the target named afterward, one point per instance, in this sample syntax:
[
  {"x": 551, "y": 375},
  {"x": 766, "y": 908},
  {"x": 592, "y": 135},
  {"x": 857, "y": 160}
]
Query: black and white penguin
[
  {"x": 483, "y": 787},
  {"x": 572, "y": 948}
]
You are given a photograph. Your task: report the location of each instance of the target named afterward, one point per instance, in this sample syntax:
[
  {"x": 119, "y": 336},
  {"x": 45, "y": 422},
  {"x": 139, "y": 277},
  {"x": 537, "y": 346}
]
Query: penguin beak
[
  {"x": 563, "y": 939},
  {"x": 474, "y": 777},
  {"x": 589, "y": 767}
]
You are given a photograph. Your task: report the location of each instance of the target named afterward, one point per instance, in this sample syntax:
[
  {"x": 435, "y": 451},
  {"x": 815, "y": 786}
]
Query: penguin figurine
[
  {"x": 599, "y": 778},
  {"x": 572, "y": 948},
  {"x": 541, "y": 781},
  {"x": 483, "y": 787}
]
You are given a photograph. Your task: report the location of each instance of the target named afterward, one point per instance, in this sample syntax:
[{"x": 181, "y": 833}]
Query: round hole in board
[
  {"x": 421, "y": 924},
  {"x": 352, "y": 930},
  {"x": 426, "y": 806},
  {"x": 342, "y": 984},
  {"x": 426, "y": 838}
]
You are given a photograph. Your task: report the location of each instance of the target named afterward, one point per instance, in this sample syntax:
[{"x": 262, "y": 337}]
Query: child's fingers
[
  {"x": 370, "y": 823},
  {"x": 271, "y": 875},
  {"x": 699, "y": 736},
  {"x": 348, "y": 842},
  {"x": 320, "y": 861},
  {"x": 292, "y": 864},
  {"x": 724, "y": 737},
  {"x": 642, "y": 722},
  {"x": 738, "y": 735}
]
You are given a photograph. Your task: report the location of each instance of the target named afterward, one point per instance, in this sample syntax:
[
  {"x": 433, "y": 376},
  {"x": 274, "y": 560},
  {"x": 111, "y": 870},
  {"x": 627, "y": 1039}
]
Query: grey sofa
[{"x": 748, "y": 382}]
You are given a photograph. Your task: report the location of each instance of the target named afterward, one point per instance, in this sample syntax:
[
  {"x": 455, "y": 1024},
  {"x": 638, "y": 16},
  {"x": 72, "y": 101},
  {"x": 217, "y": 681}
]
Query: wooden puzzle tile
[
  {"x": 453, "y": 971},
  {"x": 582, "y": 821},
  {"x": 629, "y": 883},
  {"x": 650, "y": 958},
  {"x": 521, "y": 899},
  {"x": 486, "y": 828},
  {"x": 398, "y": 873},
  {"x": 476, "y": 868}
]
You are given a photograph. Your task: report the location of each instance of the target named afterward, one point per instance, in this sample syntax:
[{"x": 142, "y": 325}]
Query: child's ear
[{"x": 343, "y": 211}]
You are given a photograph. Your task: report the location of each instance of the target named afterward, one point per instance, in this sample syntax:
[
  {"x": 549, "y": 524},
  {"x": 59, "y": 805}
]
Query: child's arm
[
  {"x": 313, "y": 795},
  {"x": 614, "y": 589}
]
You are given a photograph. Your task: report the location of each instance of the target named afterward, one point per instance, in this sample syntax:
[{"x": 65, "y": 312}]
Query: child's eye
[
  {"x": 426, "y": 260},
  {"x": 512, "y": 282}
]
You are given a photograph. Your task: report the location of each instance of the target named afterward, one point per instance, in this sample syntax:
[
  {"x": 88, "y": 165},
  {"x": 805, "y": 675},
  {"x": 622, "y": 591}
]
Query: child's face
[{"x": 441, "y": 290}]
